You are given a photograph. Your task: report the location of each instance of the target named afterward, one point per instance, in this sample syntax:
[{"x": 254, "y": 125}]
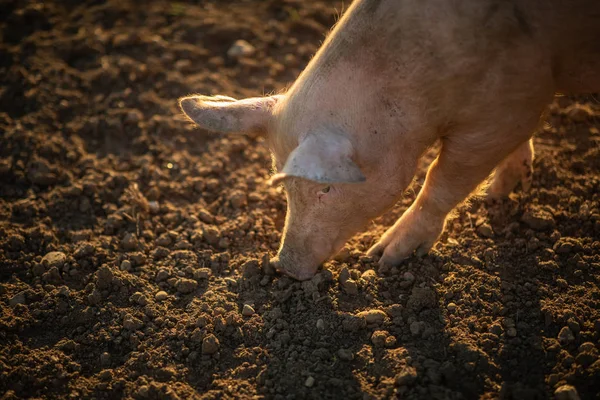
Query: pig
[{"x": 391, "y": 79}]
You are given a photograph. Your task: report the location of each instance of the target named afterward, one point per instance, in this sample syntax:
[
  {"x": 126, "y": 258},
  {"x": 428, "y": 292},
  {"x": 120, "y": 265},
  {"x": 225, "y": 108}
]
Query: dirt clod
[
  {"x": 566, "y": 392},
  {"x": 210, "y": 344}
]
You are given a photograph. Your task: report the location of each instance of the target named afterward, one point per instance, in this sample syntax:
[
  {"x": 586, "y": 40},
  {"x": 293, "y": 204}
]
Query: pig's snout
[{"x": 292, "y": 269}]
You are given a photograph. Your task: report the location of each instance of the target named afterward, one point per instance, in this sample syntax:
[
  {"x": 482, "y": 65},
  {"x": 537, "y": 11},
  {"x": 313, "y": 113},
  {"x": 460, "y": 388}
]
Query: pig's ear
[
  {"x": 228, "y": 115},
  {"x": 324, "y": 157}
]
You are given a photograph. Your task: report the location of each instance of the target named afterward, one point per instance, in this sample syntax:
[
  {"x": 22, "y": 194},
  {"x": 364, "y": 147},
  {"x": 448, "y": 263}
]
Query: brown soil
[{"x": 134, "y": 248}]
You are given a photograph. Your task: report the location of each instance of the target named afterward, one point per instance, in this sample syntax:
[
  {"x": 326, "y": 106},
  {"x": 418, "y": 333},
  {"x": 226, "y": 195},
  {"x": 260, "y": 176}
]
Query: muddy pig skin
[{"x": 392, "y": 78}]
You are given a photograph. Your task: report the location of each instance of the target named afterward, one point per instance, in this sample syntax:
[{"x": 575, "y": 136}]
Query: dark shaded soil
[{"x": 134, "y": 248}]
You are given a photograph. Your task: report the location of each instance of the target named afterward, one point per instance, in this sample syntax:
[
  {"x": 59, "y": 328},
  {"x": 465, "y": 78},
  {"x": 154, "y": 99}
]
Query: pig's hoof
[{"x": 404, "y": 238}]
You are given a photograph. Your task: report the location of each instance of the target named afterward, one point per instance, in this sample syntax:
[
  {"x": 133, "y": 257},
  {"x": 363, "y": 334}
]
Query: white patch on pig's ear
[
  {"x": 324, "y": 157},
  {"x": 228, "y": 115}
]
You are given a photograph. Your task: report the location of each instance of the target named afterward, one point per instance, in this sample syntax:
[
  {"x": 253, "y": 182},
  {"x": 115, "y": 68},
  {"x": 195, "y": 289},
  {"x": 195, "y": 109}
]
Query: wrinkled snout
[
  {"x": 295, "y": 270},
  {"x": 302, "y": 262}
]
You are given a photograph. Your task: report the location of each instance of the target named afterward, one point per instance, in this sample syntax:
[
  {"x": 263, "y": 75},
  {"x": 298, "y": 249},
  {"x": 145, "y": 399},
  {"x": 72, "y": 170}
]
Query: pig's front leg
[{"x": 462, "y": 165}]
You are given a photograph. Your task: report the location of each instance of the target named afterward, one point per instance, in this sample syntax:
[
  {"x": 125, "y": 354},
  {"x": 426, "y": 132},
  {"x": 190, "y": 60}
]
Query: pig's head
[{"x": 329, "y": 196}]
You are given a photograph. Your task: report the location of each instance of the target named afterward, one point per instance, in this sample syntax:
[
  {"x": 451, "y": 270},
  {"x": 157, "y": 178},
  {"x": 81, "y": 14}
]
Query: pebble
[
  {"x": 451, "y": 307},
  {"x": 310, "y": 381},
  {"x": 210, "y": 344},
  {"x": 565, "y": 336},
  {"x": 343, "y": 255},
  {"x": 130, "y": 242},
  {"x": 408, "y": 276},
  {"x": 84, "y": 250},
  {"x": 350, "y": 286},
  {"x": 184, "y": 285},
  {"x": 579, "y": 112},
  {"x": 125, "y": 265},
  {"x": 240, "y": 48},
  {"x": 538, "y": 220},
  {"x": 153, "y": 206},
  {"x": 320, "y": 324},
  {"x": 373, "y": 316},
  {"x": 406, "y": 377},
  {"x": 566, "y": 392},
  {"x": 248, "y": 311},
  {"x": 345, "y": 354},
  {"x": 415, "y": 328},
  {"x": 105, "y": 358},
  {"x": 160, "y": 296},
  {"x": 55, "y": 259},
  {"x": 512, "y": 331},
  {"x": 485, "y": 230},
  {"x": 131, "y": 323},
  {"x": 369, "y": 275},
  {"x": 202, "y": 273},
  {"x": 18, "y": 298}
]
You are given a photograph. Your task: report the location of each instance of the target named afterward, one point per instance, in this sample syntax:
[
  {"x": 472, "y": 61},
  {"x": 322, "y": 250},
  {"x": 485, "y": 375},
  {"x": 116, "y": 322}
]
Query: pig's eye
[{"x": 325, "y": 190}]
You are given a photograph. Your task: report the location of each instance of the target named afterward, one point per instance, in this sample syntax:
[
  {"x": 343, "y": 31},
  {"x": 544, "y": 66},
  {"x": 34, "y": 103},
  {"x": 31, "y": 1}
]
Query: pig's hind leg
[
  {"x": 464, "y": 162},
  {"x": 514, "y": 169}
]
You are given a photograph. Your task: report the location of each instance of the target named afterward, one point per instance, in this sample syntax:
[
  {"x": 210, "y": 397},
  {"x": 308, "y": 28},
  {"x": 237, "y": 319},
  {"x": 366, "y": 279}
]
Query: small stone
[
  {"x": 415, "y": 328},
  {"x": 512, "y": 331},
  {"x": 343, "y": 255},
  {"x": 161, "y": 295},
  {"x": 587, "y": 347},
  {"x": 104, "y": 277},
  {"x": 565, "y": 336},
  {"x": 54, "y": 259},
  {"x": 485, "y": 230},
  {"x": 408, "y": 276},
  {"x": 320, "y": 324},
  {"x": 538, "y": 219},
  {"x": 139, "y": 298},
  {"x": 350, "y": 286},
  {"x": 563, "y": 284},
  {"x": 310, "y": 381},
  {"x": 406, "y": 377},
  {"x": 373, "y": 316},
  {"x": 240, "y": 48},
  {"x": 154, "y": 207},
  {"x": 238, "y": 199},
  {"x": 85, "y": 250},
  {"x": 52, "y": 276},
  {"x": 131, "y": 323},
  {"x": 369, "y": 275},
  {"x": 105, "y": 358},
  {"x": 202, "y": 273},
  {"x": 248, "y": 311},
  {"x": 105, "y": 375},
  {"x": 125, "y": 265},
  {"x": 184, "y": 285},
  {"x": 210, "y": 344},
  {"x": 566, "y": 392},
  {"x": 345, "y": 354},
  {"x": 451, "y": 307},
  {"x": 579, "y": 112},
  {"x": 18, "y": 298},
  {"x": 38, "y": 269},
  {"x": 162, "y": 275},
  {"x": 130, "y": 242}
]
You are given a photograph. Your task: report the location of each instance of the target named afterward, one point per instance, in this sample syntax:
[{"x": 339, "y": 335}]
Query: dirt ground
[{"x": 134, "y": 248}]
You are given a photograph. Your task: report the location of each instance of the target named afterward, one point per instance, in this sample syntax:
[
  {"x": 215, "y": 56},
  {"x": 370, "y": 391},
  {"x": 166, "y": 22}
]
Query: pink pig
[{"x": 391, "y": 79}]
